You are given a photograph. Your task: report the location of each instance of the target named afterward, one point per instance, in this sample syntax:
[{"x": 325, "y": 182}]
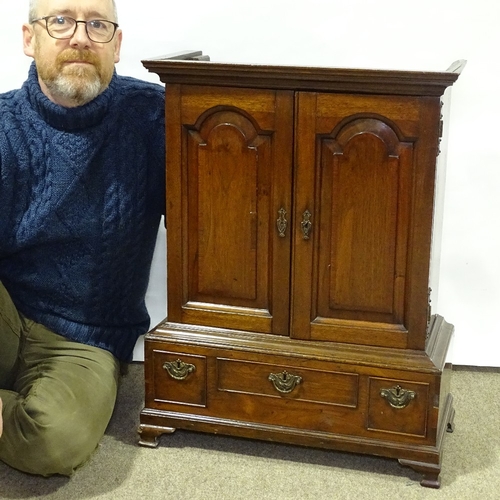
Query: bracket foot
[
  {"x": 430, "y": 472},
  {"x": 149, "y": 434}
]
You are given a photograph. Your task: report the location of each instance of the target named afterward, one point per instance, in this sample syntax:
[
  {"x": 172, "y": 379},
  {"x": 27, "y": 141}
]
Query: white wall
[{"x": 386, "y": 34}]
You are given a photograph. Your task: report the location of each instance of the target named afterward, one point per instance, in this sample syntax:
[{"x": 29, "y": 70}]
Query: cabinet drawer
[
  {"x": 398, "y": 406},
  {"x": 285, "y": 381},
  {"x": 179, "y": 378}
]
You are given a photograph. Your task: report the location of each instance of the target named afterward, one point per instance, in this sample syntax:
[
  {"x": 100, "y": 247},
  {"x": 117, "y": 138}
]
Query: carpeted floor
[{"x": 195, "y": 466}]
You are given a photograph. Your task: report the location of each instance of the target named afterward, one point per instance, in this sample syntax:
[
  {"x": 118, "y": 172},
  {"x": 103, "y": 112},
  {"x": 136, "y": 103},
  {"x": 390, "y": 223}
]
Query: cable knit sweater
[{"x": 81, "y": 196}]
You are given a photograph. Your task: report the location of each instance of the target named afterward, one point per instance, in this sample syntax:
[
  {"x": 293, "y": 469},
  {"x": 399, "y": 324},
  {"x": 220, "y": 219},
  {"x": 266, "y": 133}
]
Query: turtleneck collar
[{"x": 62, "y": 118}]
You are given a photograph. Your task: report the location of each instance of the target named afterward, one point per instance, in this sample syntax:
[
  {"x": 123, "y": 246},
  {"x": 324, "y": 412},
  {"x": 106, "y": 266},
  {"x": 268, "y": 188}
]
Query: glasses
[{"x": 63, "y": 27}]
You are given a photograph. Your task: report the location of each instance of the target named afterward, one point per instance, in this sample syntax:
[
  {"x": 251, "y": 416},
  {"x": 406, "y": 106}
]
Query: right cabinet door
[{"x": 363, "y": 198}]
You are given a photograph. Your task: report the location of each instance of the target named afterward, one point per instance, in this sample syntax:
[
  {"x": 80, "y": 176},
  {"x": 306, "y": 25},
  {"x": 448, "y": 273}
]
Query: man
[{"x": 81, "y": 196}]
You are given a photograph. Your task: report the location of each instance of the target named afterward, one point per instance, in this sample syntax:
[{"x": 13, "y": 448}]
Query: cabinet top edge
[{"x": 304, "y": 78}]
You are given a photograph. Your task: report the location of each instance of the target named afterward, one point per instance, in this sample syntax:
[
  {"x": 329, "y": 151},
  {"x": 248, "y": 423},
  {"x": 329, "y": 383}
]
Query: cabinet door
[
  {"x": 364, "y": 186},
  {"x": 229, "y": 163}
]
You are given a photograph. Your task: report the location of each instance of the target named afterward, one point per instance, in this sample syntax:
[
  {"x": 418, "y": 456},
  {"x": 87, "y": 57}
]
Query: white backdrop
[{"x": 385, "y": 34}]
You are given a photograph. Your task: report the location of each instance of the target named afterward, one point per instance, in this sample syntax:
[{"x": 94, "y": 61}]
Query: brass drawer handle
[
  {"x": 281, "y": 222},
  {"x": 284, "y": 382},
  {"x": 179, "y": 370},
  {"x": 306, "y": 224},
  {"x": 398, "y": 397}
]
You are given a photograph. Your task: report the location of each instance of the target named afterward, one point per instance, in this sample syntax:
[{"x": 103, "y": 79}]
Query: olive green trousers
[{"x": 58, "y": 395}]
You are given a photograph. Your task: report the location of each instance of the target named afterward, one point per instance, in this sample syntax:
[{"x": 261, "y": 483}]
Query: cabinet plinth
[{"x": 299, "y": 227}]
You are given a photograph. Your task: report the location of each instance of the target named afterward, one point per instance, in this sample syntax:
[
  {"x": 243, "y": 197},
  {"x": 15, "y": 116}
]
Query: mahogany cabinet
[{"x": 300, "y": 208}]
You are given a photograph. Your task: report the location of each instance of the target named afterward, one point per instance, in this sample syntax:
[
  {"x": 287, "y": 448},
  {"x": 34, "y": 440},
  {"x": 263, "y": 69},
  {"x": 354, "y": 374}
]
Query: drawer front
[
  {"x": 285, "y": 381},
  {"x": 179, "y": 378},
  {"x": 398, "y": 406}
]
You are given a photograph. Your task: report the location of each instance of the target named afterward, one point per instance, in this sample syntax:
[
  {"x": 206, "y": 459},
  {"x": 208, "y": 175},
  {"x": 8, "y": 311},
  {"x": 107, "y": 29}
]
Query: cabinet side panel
[{"x": 174, "y": 210}]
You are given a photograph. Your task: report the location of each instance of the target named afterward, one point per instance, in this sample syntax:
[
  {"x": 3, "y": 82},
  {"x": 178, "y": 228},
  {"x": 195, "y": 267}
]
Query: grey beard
[{"x": 75, "y": 91}]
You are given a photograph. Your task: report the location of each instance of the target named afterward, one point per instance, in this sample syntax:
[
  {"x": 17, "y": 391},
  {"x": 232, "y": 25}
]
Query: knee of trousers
[{"x": 49, "y": 442}]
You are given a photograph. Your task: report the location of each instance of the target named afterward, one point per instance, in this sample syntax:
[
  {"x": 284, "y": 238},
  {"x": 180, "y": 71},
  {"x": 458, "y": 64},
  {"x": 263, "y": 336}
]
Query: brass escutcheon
[
  {"x": 281, "y": 222},
  {"x": 179, "y": 370},
  {"x": 284, "y": 382},
  {"x": 398, "y": 397},
  {"x": 306, "y": 225}
]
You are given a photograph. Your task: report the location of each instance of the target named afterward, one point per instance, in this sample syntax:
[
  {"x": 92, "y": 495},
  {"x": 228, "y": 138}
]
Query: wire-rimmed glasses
[{"x": 63, "y": 27}]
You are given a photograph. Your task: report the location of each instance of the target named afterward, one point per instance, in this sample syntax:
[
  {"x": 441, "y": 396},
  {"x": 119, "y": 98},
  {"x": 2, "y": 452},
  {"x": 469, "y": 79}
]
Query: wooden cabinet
[{"x": 299, "y": 227}]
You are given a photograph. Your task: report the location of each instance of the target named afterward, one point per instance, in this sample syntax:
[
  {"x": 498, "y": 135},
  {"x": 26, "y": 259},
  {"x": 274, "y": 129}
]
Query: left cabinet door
[{"x": 229, "y": 177}]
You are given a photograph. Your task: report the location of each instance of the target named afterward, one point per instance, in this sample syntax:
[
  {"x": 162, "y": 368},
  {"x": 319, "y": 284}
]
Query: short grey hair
[{"x": 34, "y": 4}]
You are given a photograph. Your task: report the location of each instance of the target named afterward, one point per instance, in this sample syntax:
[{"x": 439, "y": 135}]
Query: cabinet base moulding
[{"x": 408, "y": 456}]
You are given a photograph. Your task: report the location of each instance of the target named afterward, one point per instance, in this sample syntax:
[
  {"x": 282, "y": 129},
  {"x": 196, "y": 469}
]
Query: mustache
[{"x": 77, "y": 55}]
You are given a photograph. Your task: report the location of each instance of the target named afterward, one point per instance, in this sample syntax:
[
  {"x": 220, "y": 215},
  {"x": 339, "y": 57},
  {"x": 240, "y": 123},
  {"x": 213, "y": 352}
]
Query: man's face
[{"x": 75, "y": 70}]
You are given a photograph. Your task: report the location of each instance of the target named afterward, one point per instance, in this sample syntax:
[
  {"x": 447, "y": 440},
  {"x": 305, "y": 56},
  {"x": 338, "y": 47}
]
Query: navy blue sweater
[{"x": 81, "y": 196}]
